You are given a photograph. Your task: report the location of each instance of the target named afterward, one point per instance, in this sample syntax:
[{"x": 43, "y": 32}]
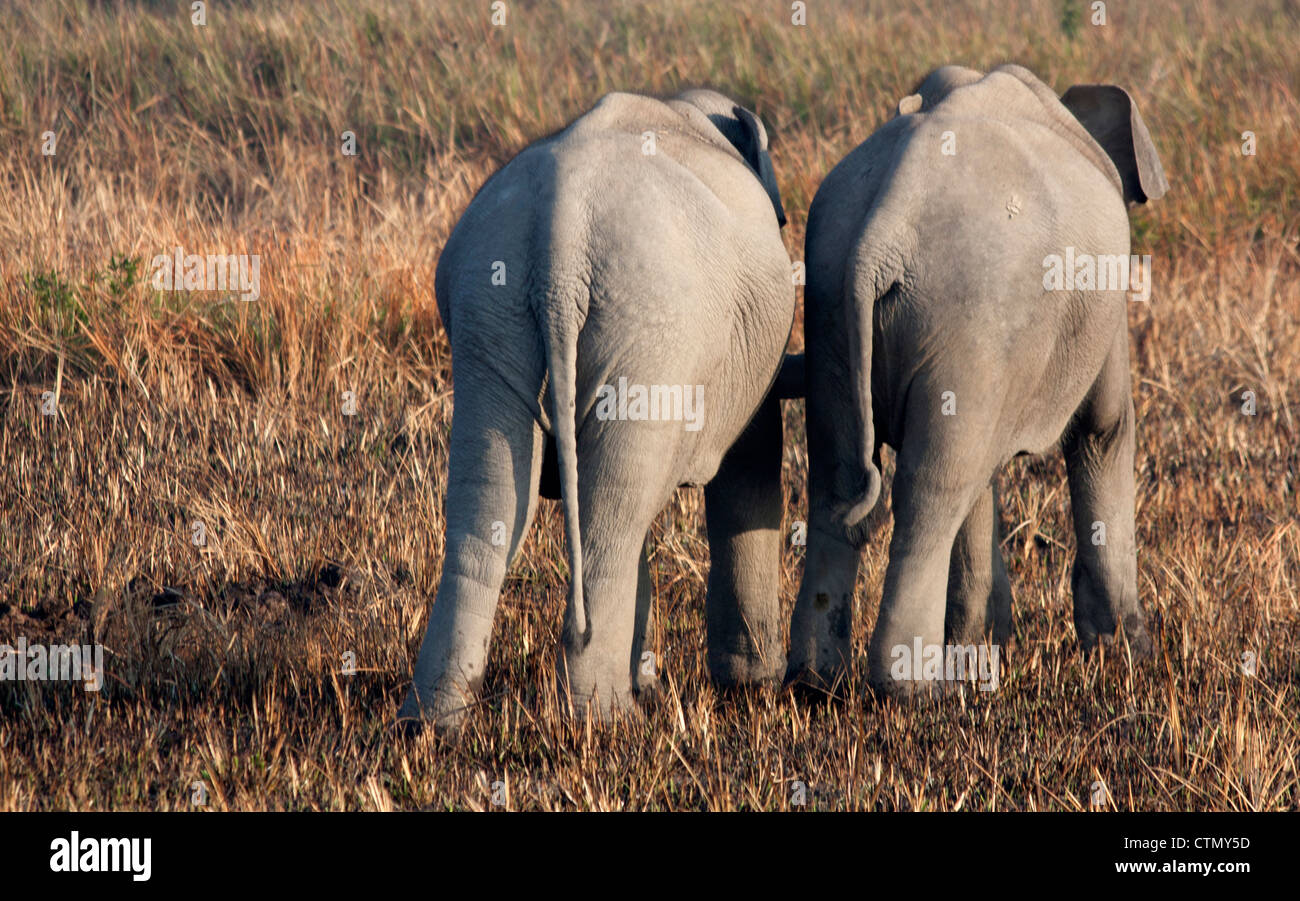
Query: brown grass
[{"x": 324, "y": 531}]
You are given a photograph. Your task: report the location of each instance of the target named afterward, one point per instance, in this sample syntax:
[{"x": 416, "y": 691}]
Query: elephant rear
[
  {"x": 593, "y": 260},
  {"x": 929, "y": 299}
]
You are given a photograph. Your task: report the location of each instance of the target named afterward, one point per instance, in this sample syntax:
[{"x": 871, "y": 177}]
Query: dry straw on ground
[{"x": 324, "y": 531}]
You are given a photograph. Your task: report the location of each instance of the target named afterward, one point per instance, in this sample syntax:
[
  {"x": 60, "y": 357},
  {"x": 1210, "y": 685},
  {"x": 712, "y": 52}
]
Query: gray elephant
[
  {"x": 944, "y": 318},
  {"x": 618, "y": 299}
]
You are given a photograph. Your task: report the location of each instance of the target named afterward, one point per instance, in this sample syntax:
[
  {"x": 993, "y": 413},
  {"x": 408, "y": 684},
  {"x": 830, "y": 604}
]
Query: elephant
[
  {"x": 618, "y": 299},
  {"x": 933, "y": 324}
]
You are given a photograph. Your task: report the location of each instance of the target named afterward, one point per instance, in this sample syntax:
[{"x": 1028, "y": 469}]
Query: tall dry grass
[{"x": 324, "y": 531}]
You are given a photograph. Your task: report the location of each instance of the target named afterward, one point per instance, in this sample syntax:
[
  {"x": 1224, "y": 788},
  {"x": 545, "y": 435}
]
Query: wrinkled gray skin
[
  {"x": 925, "y": 276},
  {"x": 664, "y": 268}
]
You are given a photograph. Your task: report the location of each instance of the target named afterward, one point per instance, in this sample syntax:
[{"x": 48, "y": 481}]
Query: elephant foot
[
  {"x": 443, "y": 707},
  {"x": 967, "y": 626},
  {"x": 902, "y": 690},
  {"x": 812, "y": 682},
  {"x": 746, "y": 669},
  {"x": 1134, "y": 633},
  {"x": 820, "y": 645},
  {"x": 1139, "y": 639},
  {"x": 819, "y": 657},
  {"x": 921, "y": 670},
  {"x": 595, "y": 689},
  {"x": 599, "y": 707},
  {"x": 1101, "y": 608}
]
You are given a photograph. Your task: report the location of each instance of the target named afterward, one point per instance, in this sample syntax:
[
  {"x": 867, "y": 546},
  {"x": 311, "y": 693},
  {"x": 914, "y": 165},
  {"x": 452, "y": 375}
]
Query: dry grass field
[{"x": 226, "y": 662}]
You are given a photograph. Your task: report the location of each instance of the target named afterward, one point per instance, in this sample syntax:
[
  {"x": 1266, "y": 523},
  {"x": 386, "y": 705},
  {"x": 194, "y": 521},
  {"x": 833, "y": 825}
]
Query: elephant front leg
[
  {"x": 979, "y": 592},
  {"x": 743, "y": 511},
  {"x": 1099, "y": 461}
]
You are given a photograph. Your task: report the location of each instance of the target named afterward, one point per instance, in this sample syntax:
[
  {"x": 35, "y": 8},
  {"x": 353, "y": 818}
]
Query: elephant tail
[
  {"x": 875, "y": 267},
  {"x": 560, "y": 326}
]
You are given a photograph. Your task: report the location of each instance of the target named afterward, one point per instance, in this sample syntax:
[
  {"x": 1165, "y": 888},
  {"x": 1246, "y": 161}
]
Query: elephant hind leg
[
  {"x": 598, "y": 672},
  {"x": 979, "y": 592},
  {"x": 496, "y": 450},
  {"x": 909, "y": 631},
  {"x": 943, "y": 471},
  {"x": 622, "y": 484},
  {"x": 1099, "y": 448}
]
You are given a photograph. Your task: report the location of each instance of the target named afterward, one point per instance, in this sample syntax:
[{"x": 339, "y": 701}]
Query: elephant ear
[
  {"x": 1111, "y": 117},
  {"x": 753, "y": 147}
]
